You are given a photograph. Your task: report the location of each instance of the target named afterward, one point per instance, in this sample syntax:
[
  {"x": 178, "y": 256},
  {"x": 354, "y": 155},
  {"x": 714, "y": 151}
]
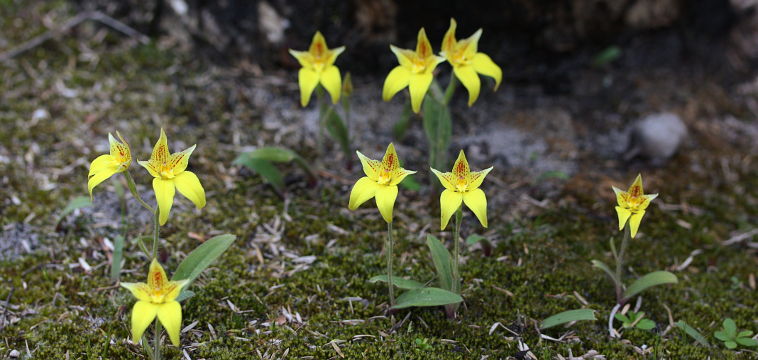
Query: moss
[{"x": 540, "y": 260}]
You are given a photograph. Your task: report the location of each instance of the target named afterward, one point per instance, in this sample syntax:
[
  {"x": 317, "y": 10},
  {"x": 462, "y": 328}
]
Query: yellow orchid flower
[
  {"x": 415, "y": 71},
  {"x": 632, "y": 204},
  {"x": 462, "y": 186},
  {"x": 467, "y": 62},
  {"x": 169, "y": 174},
  {"x": 106, "y": 165},
  {"x": 380, "y": 182},
  {"x": 318, "y": 67},
  {"x": 156, "y": 298}
]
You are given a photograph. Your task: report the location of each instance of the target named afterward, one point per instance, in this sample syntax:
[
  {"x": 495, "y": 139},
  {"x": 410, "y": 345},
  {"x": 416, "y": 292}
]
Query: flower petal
[
  {"x": 303, "y": 57},
  {"x": 450, "y": 202},
  {"x": 399, "y": 175},
  {"x": 332, "y": 81},
  {"x": 475, "y": 178},
  {"x": 483, "y": 64},
  {"x": 396, "y": 80},
  {"x": 174, "y": 288},
  {"x": 390, "y": 162},
  {"x": 318, "y": 46},
  {"x": 120, "y": 150},
  {"x": 635, "y": 189},
  {"x": 164, "y": 196},
  {"x": 170, "y": 315},
  {"x": 385, "y": 200},
  {"x": 102, "y": 175},
  {"x": 623, "y": 215},
  {"x": 364, "y": 189},
  {"x": 470, "y": 45},
  {"x": 404, "y": 56},
  {"x": 152, "y": 168},
  {"x": 160, "y": 153},
  {"x": 461, "y": 168},
  {"x": 423, "y": 46},
  {"x": 100, "y": 163},
  {"x": 140, "y": 290},
  {"x": 646, "y": 200},
  {"x": 333, "y": 53},
  {"x": 178, "y": 161},
  {"x": 469, "y": 79},
  {"x": 446, "y": 179},
  {"x": 307, "y": 79},
  {"x": 156, "y": 278},
  {"x": 620, "y": 197},
  {"x": 189, "y": 185},
  {"x": 477, "y": 202},
  {"x": 634, "y": 222},
  {"x": 371, "y": 167},
  {"x": 143, "y": 314},
  {"x": 419, "y": 84},
  {"x": 448, "y": 41}
]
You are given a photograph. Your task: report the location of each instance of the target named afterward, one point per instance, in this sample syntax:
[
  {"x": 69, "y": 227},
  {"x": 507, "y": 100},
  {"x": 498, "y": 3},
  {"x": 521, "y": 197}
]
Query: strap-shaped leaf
[
  {"x": 652, "y": 279},
  {"x": 441, "y": 259},
  {"x": 202, "y": 257},
  {"x": 338, "y": 130},
  {"x": 693, "y": 333},
  {"x": 263, "y": 168},
  {"x": 429, "y": 296},
  {"x": 567, "y": 317},
  {"x": 399, "y": 282},
  {"x": 602, "y": 266}
]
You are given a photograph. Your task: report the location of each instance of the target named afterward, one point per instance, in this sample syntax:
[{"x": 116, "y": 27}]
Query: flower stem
[
  {"x": 156, "y": 232},
  {"x": 390, "y": 245},
  {"x": 322, "y": 111},
  {"x": 620, "y": 267},
  {"x": 157, "y": 340},
  {"x": 456, "y": 251},
  {"x": 451, "y": 88},
  {"x": 133, "y": 189}
]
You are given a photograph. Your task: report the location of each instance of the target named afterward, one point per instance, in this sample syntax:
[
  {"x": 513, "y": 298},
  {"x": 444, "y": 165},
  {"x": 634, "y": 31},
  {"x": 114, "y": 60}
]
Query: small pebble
[
  {"x": 656, "y": 137},
  {"x": 15, "y": 354}
]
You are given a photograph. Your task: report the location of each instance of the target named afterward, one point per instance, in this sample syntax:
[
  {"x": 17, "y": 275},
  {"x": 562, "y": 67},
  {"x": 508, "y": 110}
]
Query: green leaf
[
  {"x": 185, "y": 294},
  {"x": 403, "y": 122},
  {"x": 410, "y": 183},
  {"x": 473, "y": 239},
  {"x": 438, "y": 126},
  {"x": 730, "y": 344},
  {"x": 338, "y": 130},
  {"x": 689, "y": 330},
  {"x": 746, "y": 341},
  {"x": 607, "y": 56},
  {"x": 730, "y": 328},
  {"x": 429, "y": 296},
  {"x": 264, "y": 168},
  {"x": 273, "y": 154},
  {"x": 202, "y": 257},
  {"x": 745, "y": 333},
  {"x": 118, "y": 255},
  {"x": 721, "y": 335},
  {"x": 568, "y": 316},
  {"x": 602, "y": 266},
  {"x": 623, "y": 318},
  {"x": 441, "y": 259},
  {"x": 553, "y": 174},
  {"x": 645, "y": 324},
  {"x": 398, "y": 282},
  {"x": 652, "y": 279},
  {"x": 75, "y": 203}
]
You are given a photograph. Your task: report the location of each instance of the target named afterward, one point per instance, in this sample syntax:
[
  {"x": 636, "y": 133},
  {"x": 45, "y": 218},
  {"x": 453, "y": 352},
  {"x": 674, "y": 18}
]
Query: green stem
[
  {"x": 133, "y": 189},
  {"x": 322, "y": 111},
  {"x": 156, "y": 233},
  {"x": 157, "y": 340},
  {"x": 451, "y": 88},
  {"x": 456, "y": 251},
  {"x": 390, "y": 245},
  {"x": 620, "y": 266}
]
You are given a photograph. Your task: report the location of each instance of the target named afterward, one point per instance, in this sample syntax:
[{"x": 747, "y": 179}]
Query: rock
[
  {"x": 656, "y": 137},
  {"x": 14, "y": 354}
]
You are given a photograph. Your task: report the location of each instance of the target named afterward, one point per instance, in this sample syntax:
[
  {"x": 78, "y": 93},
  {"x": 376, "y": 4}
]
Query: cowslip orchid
[
  {"x": 318, "y": 68},
  {"x": 468, "y": 62},
  {"x": 414, "y": 72},
  {"x": 380, "y": 182},
  {"x": 156, "y": 298},
  {"x": 106, "y": 165},
  {"x": 632, "y": 204},
  {"x": 170, "y": 174},
  {"x": 462, "y": 187}
]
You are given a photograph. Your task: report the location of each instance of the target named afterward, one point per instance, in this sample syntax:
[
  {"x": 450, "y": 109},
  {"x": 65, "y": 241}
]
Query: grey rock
[{"x": 656, "y": 137}]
